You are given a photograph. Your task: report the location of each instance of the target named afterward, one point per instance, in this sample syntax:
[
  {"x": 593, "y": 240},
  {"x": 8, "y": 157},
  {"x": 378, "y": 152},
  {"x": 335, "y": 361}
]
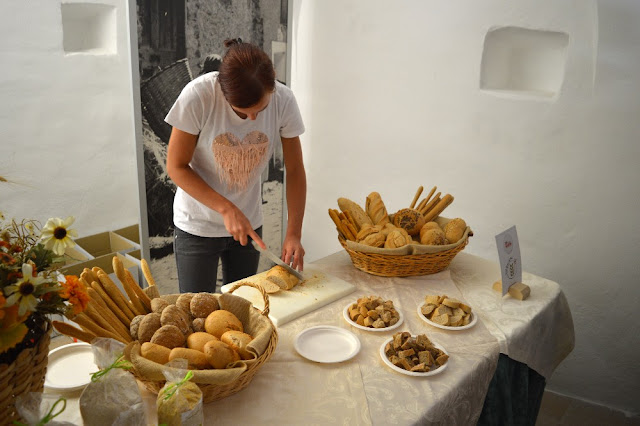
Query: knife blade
[{"x": 275, "y": 259}]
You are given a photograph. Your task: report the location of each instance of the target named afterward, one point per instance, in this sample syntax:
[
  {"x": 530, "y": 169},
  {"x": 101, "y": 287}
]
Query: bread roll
[
  {"x": 358, "y": 214},
  {"x": 184, "y": 301},
  {"x": 202, "y": 304},
  {"x": 195, "y": 359},
  {"x": 429, "y": 225},
  {"x": 376, "y": 209},
  {"x": 220, "y": 321},
  {"x": 173, "y": 315},
  {"x": 433, "y": 237},
  {"x": 282, "y": 277},
  {"x": 158, "y": 304},
  {"x": 454, "y": 230},
  {"x": 135, "y": 324},
  {"x": 198, "y": 324},
  {"x": 155, "y": 353},
  {"x": 148, "y": 326},
  {"x": 219, "y": 354},
  {"x": 168, "y": 336},
  {"x": 395, "y": 239},
  {"x": 365, "y": 231},
  {"x": 238, "y": 342},
  {"x": 410, "y": 220},
  {"x": 198, "y": 339},
  {"x": 374, "y": 240}
]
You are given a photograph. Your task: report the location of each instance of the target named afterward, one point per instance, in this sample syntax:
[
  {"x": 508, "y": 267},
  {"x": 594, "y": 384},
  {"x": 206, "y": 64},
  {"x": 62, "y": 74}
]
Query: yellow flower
[
  {"x": 56, "y": 235},
  {"x": 22, "y": 291},
  {"x": 75, "y": 292}
]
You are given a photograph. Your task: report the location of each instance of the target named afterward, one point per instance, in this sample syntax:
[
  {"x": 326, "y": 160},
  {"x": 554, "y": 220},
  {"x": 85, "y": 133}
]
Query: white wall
[
  {"x": 66, "y": 119},
  {"x": 390, "y": 95}
]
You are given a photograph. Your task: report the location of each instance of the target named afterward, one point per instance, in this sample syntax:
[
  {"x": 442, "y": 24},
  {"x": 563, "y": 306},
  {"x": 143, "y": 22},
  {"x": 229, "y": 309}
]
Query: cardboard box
[
  {"x": 106, "y": 242},
  {"x": 104, "y": 262},
  {"x": 72, "y": 255},
  {"x": 131, "y": 233}
]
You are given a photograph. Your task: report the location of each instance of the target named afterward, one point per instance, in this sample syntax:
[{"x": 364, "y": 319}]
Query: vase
[{"x": 26, "y": 369}]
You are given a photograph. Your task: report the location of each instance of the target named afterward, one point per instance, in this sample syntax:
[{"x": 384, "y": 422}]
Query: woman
[{"x": 225, "y": 126}]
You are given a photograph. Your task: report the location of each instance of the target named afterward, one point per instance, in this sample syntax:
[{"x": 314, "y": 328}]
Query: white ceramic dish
[
  {"x": 70, "y": 367},
  {"x": 413, "y": 373},
  {"x": 474, "y": 320},
  {"x": 345, "y": 314},
  {"x": 327, "y": 344}
]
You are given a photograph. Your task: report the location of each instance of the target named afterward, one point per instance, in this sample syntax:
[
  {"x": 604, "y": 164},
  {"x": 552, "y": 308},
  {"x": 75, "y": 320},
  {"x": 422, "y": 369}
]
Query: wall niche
[
  {"x": 523, "y": 63},
  {"x": 89, "y": 28}
]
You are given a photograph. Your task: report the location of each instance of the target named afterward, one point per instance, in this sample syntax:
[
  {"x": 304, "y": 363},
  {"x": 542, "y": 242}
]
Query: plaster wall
[
  {"x": 391, "y": 97},
  {"x": 66, "y": 117}
]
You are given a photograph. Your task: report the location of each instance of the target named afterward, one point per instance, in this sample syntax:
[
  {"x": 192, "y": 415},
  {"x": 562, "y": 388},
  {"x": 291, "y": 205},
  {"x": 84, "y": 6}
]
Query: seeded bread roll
[
  {"x": 376, "y": 209},
  {"x": 429, "y": 225},
  {"x": 135, "y": 324},
  {"x": 410, "y": 220},
  {"x": 281, "y": 277},
  {"x": 359, "y": 215},
  {"x": 454, "y": 230},
  {"x": 433, "y": 237},
  {"x": 202, "y": 304}
]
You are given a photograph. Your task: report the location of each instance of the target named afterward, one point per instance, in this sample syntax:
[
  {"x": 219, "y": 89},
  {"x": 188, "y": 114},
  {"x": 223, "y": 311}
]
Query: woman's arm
[
  {"x": 179, "y": 154},
  {"x": 292, "y": 250}
]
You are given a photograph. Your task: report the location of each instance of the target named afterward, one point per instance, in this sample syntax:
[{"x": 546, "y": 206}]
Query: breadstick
[
  {"x": 147, "y": 272},
  {"x": 336, "y": 220},
  {"x": 72, "y": 331},
  {"x": 352, "y": 220},
  {"x": 89, "y": 325},
  {"x": 351, "y": 229},
  {"x": 136, "y": 305},
  {"x": 421, "y": 204},
  {"x": 430, "y": 204},
  {"x": 116, "y": 295},
  {"x": 144, "y": 299},
  {"x": 111, "y": 304},
  {"x": 446, "y": 200},
  {"x": 85, "y": 282},
  {"x": 85, "y": 278},
  {"x": 94, "y": 295},
  {"x": 101, "y": 317},
  {"x": 428, "y": 197},
  {"x": 92, "y": 277},
  {"x": 415, "y": 198}
]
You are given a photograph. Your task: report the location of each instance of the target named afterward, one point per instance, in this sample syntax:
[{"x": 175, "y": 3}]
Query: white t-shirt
[{"x": 231, "y": 152}]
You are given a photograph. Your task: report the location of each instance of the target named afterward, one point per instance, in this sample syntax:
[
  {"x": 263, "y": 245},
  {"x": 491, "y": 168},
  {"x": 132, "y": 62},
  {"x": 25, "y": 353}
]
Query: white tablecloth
[{"x": 290, "y": 390}]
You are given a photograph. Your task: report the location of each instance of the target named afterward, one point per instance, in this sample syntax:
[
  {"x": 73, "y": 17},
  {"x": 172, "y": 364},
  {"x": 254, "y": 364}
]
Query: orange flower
[{"x": 75, "y": 292}]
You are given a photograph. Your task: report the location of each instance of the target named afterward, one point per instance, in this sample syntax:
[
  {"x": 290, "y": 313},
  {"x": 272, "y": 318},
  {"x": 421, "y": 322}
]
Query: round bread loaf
[
  {"x": 148, "y": 326},
  {"x": 454, "y": 230},
  {"x": 196, "y": 359},
  {"x": 220, "y": 321},
  {"x": 184, "y": 300},
  {"x": 155, "y": 353},
  {"x": 219, "y": 354},
  {"x": 238, "y": 342},
  {"x": 173, "y": 315},
  {"x": 198, "y": 339},
  {"x": 202, "y": 304},
  {"x": 433, "y": 237},
  {"x": 429, "y": 225},
  {"x": 158, "y": 304},
  {"x": 410, "y": 220},
  {"x": 168, "y": 336}
]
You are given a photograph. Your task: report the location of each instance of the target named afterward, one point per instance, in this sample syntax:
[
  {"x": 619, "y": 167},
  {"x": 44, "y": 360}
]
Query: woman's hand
[
  {"x": 239, "y": 226},
  {"x": 293, "y": 252}
]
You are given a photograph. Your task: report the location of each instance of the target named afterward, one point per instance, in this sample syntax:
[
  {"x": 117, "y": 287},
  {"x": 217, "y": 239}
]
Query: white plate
[
  {"x": 413, "y": 373},
  {"x": 326, "y": 343},
  {"x": 345, "y": 314},
  {"x": 474, "y": 320},
  {"x": 70, "y": 367}
]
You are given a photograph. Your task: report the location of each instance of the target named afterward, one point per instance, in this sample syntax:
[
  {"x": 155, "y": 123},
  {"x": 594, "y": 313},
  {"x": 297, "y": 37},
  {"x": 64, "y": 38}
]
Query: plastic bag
[
  {"x": 180, "y": 400},
  {"x": 112, "y": 397},
  {"x": 40, "y": 409}
]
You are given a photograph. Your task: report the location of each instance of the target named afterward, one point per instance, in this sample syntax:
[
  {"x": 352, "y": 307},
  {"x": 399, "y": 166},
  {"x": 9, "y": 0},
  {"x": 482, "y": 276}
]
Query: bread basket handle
[{"x": 265, "y": 296}]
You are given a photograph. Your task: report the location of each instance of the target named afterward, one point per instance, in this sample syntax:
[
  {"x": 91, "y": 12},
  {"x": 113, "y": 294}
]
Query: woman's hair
[{"x": 246, "y": 74}]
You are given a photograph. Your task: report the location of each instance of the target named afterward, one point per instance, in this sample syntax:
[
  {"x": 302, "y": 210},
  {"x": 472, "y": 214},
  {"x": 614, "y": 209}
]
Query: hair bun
[{"x": 232, "y": 41}]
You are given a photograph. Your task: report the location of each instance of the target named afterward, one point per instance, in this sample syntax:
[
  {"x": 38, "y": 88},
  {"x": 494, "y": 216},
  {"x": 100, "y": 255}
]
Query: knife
[{"x": 275, "y": 259}]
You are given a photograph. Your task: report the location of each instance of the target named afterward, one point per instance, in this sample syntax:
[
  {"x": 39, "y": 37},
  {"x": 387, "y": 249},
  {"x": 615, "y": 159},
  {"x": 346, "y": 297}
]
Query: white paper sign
[{"x": 509, "y": 254}]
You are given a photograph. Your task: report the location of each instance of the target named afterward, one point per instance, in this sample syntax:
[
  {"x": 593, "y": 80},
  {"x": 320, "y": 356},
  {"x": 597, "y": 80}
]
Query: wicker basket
[
  {"x": 211, "y": 392},
  {"x": 385, "y": 265},
  {"x": 25, "y": 374}
]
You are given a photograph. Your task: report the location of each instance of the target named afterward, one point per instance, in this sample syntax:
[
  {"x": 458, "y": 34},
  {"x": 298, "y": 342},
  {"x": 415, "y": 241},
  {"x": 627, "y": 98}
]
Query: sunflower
[
  {"x": 22, "y": 292},
  {"x": 56, "y": 235}
]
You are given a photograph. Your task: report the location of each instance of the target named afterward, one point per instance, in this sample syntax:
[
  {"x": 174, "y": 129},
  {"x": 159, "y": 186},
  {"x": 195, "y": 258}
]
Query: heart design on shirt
[{"x": 238, "y": 159}]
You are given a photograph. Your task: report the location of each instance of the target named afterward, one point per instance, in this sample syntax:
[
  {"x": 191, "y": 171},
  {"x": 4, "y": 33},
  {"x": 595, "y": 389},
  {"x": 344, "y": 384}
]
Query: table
[{"x": 362, "y": 391}]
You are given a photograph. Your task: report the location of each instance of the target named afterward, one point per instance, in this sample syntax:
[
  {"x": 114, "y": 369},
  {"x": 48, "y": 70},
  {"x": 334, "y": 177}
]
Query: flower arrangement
[{"x": 32, "y": 288}]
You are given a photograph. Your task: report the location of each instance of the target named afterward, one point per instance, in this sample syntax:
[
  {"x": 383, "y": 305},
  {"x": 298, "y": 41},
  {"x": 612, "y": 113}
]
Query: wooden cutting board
[{"x": 317, "y": 290}]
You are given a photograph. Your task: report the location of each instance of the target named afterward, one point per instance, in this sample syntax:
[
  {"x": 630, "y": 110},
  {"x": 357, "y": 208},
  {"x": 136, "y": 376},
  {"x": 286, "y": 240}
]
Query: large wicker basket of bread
[
  {"x": 223, "y": 338},
  {"x": 415, "y": 240}
]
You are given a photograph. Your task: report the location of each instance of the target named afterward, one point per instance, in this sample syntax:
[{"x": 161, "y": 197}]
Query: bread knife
[{"x": 275, "y": 259}]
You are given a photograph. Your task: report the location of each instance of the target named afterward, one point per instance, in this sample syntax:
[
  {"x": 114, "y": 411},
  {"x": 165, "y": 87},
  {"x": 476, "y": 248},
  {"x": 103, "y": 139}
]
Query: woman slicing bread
[{"x": 225, "y": 127}]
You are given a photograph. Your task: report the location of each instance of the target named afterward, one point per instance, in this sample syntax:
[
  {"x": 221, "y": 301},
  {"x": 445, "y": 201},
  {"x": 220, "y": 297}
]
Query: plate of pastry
[
  {"x": 447, "y": 313},
  {"x": 414, "y": 355},
  {"x": 372, "y": 313}
]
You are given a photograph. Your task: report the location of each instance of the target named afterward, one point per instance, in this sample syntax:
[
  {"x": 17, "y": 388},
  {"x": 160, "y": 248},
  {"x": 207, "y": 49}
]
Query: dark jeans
[{"x": 197, "y": 260}]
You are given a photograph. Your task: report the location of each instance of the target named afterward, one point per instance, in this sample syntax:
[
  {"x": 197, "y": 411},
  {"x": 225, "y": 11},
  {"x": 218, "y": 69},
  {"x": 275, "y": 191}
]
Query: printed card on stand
[{"x": 509, "y": 255}]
